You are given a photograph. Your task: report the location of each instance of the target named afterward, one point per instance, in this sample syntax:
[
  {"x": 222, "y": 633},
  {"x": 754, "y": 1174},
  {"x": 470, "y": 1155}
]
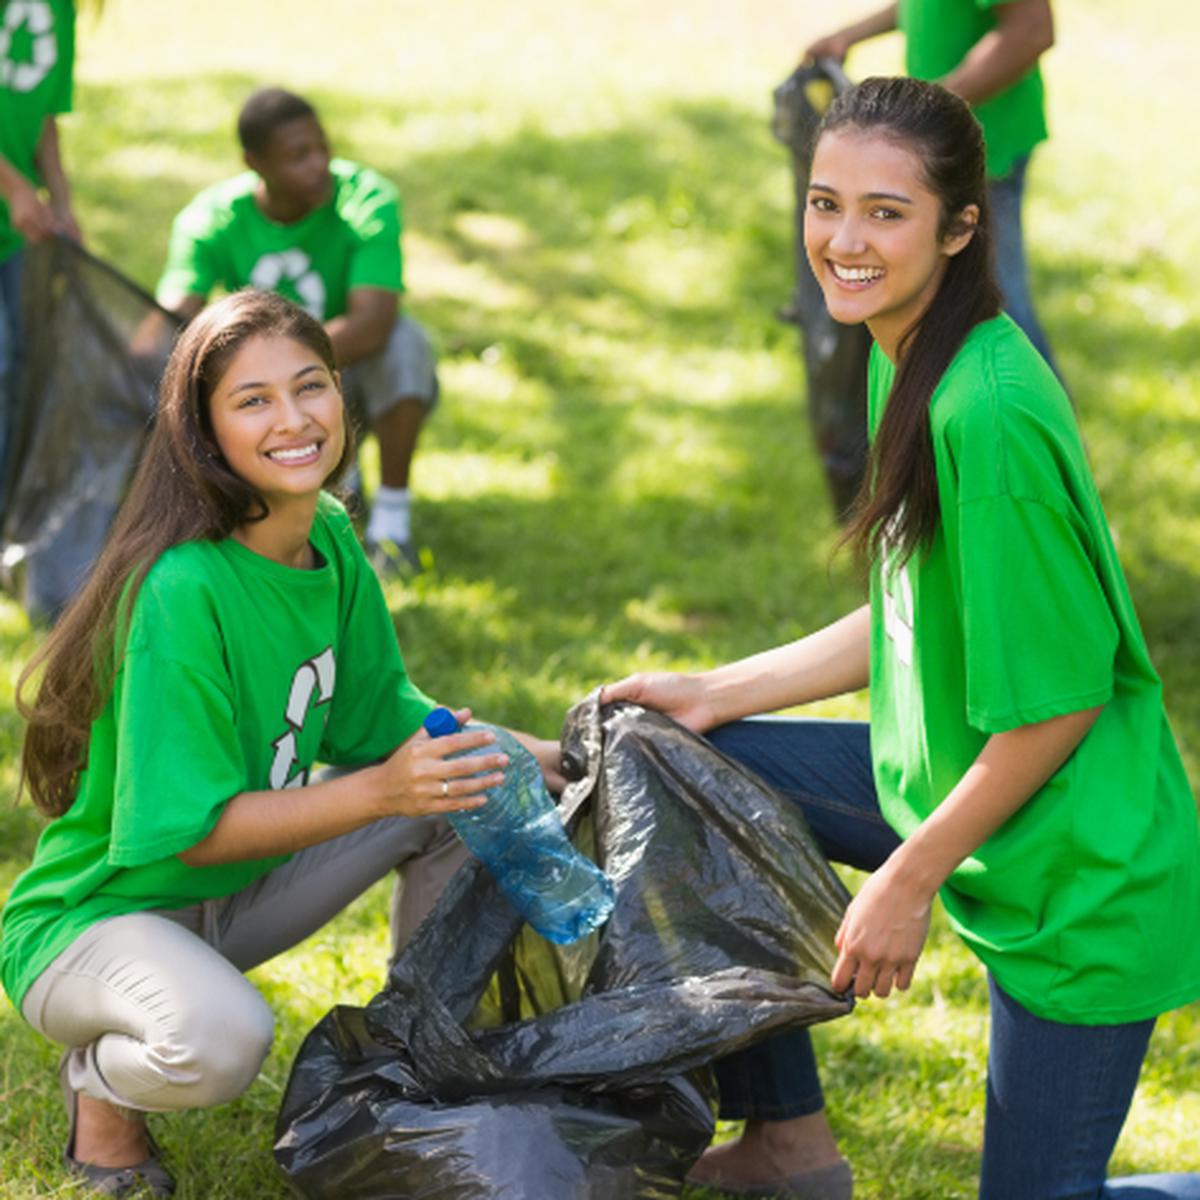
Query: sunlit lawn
[{"x": 621, "y": 476}]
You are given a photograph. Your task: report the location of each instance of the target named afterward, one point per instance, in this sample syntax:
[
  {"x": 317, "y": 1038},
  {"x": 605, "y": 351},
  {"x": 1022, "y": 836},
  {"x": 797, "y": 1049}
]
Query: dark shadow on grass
[
  {"x": 687, "y": 175},
  {"x": 688, "y": 172}
]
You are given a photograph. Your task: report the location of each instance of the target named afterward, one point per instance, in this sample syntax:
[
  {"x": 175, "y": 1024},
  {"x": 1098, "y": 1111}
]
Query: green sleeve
[
  {"x": 1039, "y": 634},
  {"x": 177, "y": 754},
  {"x": 1025, "y": 538},
  {"x": 178, "y": 758},
  {"x": 192, "y": 256},
  {"x": 377, "y": 260}
]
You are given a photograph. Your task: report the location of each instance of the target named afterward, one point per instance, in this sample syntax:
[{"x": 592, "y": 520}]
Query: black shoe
[{"x": 148, "y": 1176}]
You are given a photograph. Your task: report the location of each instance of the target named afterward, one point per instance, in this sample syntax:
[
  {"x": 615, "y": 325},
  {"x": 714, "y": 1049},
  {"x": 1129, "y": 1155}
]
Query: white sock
[{"x": 391, "y": 517}]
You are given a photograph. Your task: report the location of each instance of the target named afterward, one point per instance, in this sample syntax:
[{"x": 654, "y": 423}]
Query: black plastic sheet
[
  {"x": 835, "y": 356},
  {"x": 95, "y": 347},
  {"x": 495, "y": 1066}
]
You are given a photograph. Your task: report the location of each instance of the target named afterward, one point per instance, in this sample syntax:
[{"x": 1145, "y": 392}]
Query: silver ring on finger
[{"x": 445, "y": 788}]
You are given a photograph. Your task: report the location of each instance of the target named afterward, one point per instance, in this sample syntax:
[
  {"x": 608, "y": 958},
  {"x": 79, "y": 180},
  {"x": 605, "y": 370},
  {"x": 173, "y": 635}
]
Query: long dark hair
[
  {"x": 183, "y": 490},
  {"x": 898, "y": 500}
]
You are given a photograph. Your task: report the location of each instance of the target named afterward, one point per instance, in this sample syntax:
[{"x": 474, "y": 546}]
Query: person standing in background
[
  {"x": 37, "y": 62},
  {"x": 986, "y": 51}
]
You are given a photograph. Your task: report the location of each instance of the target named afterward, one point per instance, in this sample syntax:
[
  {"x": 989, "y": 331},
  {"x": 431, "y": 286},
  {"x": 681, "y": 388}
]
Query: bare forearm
[
  {"x": 1009, "y": 770},
  {"x": 831, "y": 661},
  {"x": 879, "y": 22},
  {"x": 30, "y": 216},
  {"x": 364, "y": 328},
  {"x": 357, "y": 337},
  {"x": 424, "y": 777},
  {"x": 267, "y": 823},
  {"x": 11, "y": 180},
  {"x": 50, "y": 168},
  {"x": 351, "y": 343},
  {"x": 885, "y": 926},
  {"x": 1025, "y": 31},
  {"x": 837, "y": 45}
]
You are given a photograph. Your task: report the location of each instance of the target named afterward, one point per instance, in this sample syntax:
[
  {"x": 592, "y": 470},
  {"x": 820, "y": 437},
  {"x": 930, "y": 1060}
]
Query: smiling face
[
  {"x": 277, "y": 417},
  {"x": 871, "y": 232}
]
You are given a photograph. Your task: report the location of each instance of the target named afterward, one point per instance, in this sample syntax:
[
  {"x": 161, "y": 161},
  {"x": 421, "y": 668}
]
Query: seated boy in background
[{"x": 325, "y": 232}]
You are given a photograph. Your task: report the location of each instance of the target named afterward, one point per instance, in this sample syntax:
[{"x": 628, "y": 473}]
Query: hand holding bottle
[
  {"x": 425, "y": 776},
  {"x": 519, "y": 837}
]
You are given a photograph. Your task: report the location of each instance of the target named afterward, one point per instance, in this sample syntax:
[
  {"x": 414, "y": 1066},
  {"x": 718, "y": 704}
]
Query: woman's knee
[{"x": 219, "y": 1053}]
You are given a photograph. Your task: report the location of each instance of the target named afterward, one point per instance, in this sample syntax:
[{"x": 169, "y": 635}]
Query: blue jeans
[
  {"x": 1005, "y": 196},
  {"x": 1057, "y": 1094},
  {"x": 11, "y": 350}
]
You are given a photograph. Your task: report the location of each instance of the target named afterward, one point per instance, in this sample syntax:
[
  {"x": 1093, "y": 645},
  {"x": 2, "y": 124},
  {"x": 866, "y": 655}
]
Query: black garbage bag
[
  {"x": 494, "y": 1066},
  {"x": 835, "y": 356},
  {"x": 95, "y": 347}
]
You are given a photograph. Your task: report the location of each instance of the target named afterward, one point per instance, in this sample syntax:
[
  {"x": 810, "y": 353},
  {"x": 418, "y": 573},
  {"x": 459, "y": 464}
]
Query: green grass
[{"x": 621, "y": 476}]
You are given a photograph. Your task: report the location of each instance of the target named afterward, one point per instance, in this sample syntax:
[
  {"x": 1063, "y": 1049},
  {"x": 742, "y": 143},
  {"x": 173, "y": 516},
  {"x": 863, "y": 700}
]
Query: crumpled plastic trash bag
[
  {"x": 95, "y": 348},
  {"x": 495, "y": 1066}
]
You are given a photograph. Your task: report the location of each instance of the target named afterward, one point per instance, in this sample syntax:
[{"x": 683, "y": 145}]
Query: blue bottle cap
[{"x": 440, "y": 722}]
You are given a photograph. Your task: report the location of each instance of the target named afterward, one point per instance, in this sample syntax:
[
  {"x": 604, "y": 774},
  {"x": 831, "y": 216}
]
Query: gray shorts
[{"x": 404, "y": 368}]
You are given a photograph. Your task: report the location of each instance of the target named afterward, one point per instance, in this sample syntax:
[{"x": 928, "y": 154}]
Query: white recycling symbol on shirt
[
  {"x": 293, "y": 267},
  {"x": 36, "y": 14},
  {"x": 314, "y": 678},
  {"x": 899, "y": 610}
]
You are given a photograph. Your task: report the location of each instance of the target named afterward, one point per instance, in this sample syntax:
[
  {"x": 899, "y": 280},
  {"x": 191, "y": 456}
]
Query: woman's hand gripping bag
[{"x": 495, "y": 1066}]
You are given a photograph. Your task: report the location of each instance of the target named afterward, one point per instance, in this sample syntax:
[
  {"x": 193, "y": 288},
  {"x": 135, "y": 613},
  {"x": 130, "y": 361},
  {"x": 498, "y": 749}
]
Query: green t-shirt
[
  {"x": 1085, "y": 904},
  {"x": 937, "y": 36},
  {"x": 223, "y": 240},
  {"x": 37, "y": 64},
  {"x": 238, "y": 675}
]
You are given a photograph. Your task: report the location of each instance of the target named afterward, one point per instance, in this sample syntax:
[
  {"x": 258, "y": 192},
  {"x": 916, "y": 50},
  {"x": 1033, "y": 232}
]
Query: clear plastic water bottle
[{"x": 519, "y": 837}]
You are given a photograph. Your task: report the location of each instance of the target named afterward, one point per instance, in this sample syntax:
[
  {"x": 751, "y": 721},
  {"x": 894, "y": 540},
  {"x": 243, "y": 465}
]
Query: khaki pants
[{"x": 154, "y": 1007}]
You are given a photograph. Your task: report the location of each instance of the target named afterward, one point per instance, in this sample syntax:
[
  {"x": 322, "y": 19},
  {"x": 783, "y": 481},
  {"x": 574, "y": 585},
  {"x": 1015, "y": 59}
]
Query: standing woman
[
  {"x": 1018, "y": 761},
  {"x": 231, "y": 634},
  {"x": 37, "y": 63}
]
